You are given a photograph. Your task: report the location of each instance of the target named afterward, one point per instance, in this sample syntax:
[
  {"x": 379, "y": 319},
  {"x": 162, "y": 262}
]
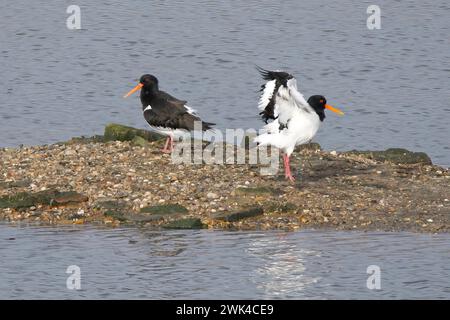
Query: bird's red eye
[{"x": 321, "y": 100}]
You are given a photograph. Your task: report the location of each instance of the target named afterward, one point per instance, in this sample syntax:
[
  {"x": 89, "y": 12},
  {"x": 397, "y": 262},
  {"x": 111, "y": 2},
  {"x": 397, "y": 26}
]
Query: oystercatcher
[
  {"x": 295, "y": 121},
  {"x": 166, "y": 114}
]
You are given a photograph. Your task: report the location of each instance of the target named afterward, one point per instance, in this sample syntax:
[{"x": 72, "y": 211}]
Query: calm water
[
  {"x": 392, "y": 83},
  {"x": 137, "y": 264}
]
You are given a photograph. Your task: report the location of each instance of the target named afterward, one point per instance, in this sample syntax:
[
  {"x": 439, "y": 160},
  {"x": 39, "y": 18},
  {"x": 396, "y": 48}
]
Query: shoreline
[{"x": 121, "y": 178}]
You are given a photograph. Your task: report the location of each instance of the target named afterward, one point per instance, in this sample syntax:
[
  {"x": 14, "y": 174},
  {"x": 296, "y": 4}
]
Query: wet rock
[
  {"x": 165, "y": 209},
  {"x": 188, "y": 223},
  {"x": 15, "y": 184},
  {"x": 109, "y": 204},
  {"x": 18, "y": 201},
  {"x": 157, "y": 213},
  {"x": 119, "y": 132},
  {"x": 394, "y": 155},
  {"x": 145, "y": 217},
  {"x": 47, "y": 197},
  {"x": 139, "y": 141},
  {"x": 281, "y": 207},
  {"x": 117, "y": 215},
  {"x": 54, "y": 197},
  {"x": 83, "y": 140},
  {"x": 69, "y": 197},
  {"x": 239, "y": 214}
]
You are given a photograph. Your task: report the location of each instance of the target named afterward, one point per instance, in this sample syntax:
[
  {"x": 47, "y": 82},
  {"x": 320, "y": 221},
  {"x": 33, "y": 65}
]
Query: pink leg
[
  {"x": 285, "y": 165},
  {"x": 165, "y": 150},
  {"x": 171, "y": 143},
  {"x": 287, "y": 169}
]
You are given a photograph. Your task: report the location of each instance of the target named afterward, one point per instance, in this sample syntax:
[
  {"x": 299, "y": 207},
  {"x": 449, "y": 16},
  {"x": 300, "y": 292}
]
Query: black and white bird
[
  {"x": 295, "y": 121},
  {"x": 166, "y": 114}
]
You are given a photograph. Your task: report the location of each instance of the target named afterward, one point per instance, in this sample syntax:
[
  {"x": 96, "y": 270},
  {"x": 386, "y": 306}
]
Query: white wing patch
[
  {"x": 266, "y": 95},
  {"x": 288, "y": 98},
  {"x": 299, "y": 98},
  {"x": 190, "y": 110}
]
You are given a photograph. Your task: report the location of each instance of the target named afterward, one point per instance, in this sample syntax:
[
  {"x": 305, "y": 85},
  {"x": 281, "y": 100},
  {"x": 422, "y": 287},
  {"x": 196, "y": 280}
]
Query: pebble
[
  {"x": 70, "y": 152},
  {"x": 116, "y": 172},
  {"x": 212, "y": 195}
]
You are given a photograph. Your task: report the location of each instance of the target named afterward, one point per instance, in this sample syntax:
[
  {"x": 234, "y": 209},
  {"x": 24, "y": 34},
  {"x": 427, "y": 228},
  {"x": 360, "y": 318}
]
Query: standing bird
[
  {"x": 166, "y": 114},
  {"x": 295, "y": 120}
]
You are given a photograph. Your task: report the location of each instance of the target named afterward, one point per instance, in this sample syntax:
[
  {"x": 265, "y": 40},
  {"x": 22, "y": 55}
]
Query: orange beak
[
  {"x": 334, "y": 109},
  {"x": 138, "y": 87}
]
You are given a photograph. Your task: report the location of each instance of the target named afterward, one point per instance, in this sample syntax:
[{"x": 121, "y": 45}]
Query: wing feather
[
  {"x": 276, "y": 80},
  {"x": 296, "y": 95},
  {"x": 267, "y": 93},
  {"x": 173, "y": 114}
]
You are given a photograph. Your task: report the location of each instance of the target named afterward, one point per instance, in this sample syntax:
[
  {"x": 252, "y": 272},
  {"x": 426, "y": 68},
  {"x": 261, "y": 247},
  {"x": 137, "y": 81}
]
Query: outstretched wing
[
  {"x": 267, "y": 101},
  {"x": 296, "y": 95},
  {"x": 267, "y": 90},
  {"x": 280, "y": 97}
]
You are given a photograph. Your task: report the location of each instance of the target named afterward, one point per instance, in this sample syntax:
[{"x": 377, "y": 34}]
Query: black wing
[
  {"x": 280, "y": 78},
  {"x": 169, "y": 112}
]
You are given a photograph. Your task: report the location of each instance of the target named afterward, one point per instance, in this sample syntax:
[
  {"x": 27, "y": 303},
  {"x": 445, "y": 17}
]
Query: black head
[
  {"x": 318, "y": 103},
  {"x": 148, "y": 85},
  {"x": 149, "y": 82}
]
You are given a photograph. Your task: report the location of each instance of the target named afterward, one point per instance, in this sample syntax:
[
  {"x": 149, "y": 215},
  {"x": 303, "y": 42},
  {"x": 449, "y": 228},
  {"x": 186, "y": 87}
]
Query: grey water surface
[
  {"x": 130, "y": 263},
  {"x": 392, "y": 83}
]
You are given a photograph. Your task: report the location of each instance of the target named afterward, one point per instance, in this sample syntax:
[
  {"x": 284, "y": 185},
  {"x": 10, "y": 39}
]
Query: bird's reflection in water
[{"x": 282, "y": 271}]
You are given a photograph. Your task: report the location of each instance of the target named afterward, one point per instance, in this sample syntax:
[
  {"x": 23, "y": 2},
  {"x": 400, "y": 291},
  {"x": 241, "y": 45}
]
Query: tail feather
[{"x": 207, "y": 126}]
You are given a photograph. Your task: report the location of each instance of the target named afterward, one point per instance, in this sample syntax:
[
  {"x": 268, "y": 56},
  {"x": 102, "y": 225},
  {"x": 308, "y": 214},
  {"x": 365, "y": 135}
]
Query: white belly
[
  {"x": 175, "y": 133},
  {"x": 305, "y": 127}
]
